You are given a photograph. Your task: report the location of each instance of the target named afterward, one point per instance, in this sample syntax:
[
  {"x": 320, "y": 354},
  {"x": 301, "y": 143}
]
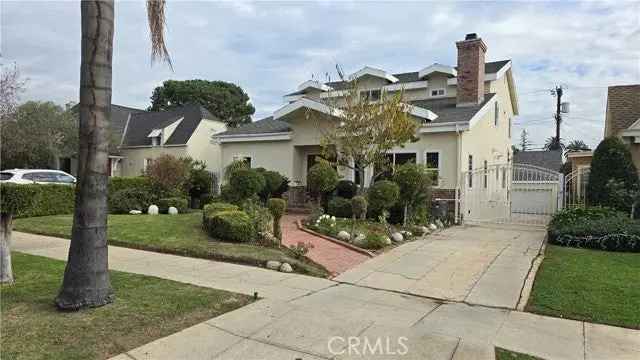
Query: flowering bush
[{"x": 326, "y": 224}]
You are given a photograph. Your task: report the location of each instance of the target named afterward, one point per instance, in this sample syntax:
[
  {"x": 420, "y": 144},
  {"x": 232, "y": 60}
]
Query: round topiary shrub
[
  {"x": 182, "y": 204},
  {"x": 611, "y": 162},
  {"x": 359, "y": 207},
  {"x": 322, "y": 178},
  {"x": 382, "y": 195},
  {"x": 231, "y": 225},
  {"x": 277, "y": 207},
  {"x": 245, "y": 183},
  {"x": 339, "y": 207},
  {"x": 346, "y": 189},
  {"x": 125, "y": 200},
  {"x": 272, "y": 182}
]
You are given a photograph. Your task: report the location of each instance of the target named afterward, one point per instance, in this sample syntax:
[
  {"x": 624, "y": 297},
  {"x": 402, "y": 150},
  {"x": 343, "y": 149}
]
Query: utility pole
[{"x": 558, "y": 94}]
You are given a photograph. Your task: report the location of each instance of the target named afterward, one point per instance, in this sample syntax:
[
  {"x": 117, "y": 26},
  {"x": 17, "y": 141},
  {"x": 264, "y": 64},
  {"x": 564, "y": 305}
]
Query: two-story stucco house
[
  {"x": 181, "y": 132},
  {"x": 464, "y": 114}
]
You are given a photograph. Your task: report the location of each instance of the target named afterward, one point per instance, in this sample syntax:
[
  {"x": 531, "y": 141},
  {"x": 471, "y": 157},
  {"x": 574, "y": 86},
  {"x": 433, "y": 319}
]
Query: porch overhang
[
  {"x": 281, "y": 136},
  {"x": 444, "y": 127},
  {"x": 308, "y": 104}
]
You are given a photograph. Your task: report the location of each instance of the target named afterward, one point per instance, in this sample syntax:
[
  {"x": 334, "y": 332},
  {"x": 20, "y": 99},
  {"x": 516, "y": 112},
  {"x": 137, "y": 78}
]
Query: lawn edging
[
  {"x": 334, "y": 240},
  {"x": 525, "y": 292}
]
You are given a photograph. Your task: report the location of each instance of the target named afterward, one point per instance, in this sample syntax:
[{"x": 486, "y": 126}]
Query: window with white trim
[
  {"x": 432, "y": 164},
  {"x": 394, "y": 160},
  {"x": 437, "y": 92},
  {"x": 470, "y": 172},
  {"x": 244, "y": 159},
  {"x": 146, "y": 163},
  {"x": 486, "y": 174},
  {"x": 496, "y": 114},
  {"x": 370, "y": 95}
]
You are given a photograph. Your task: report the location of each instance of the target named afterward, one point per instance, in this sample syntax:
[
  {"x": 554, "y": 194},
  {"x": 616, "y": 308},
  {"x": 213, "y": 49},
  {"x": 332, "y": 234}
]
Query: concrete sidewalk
[{"x": 309, "y": 318}]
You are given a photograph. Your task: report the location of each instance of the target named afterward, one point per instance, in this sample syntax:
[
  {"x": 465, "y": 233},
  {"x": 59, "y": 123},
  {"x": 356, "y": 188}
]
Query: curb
[{"x": 336, "y": 241}]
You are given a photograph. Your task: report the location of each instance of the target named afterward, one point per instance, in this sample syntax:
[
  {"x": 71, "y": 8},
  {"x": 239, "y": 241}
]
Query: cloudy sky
[{"x": 268, "y": 48}]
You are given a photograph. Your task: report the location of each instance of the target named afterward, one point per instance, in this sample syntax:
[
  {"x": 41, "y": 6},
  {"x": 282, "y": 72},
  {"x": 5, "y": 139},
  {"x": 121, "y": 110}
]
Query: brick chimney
[{"x": 470, "y": 88}]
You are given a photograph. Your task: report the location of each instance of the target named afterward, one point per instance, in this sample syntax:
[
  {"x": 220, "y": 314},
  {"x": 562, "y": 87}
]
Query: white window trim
[
  {"x": 496, "y": 115},
  {"x": 444, "y": 92},
  {"x": 439, "y": 152},
  {"x": 403, "y": 152}
]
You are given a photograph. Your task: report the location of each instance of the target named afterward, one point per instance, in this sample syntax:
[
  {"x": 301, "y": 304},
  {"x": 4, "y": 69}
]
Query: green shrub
[
  {"x": 245, "y": 183},
  {"x": 215, "y": 207},
  {"x": 130, "y": 182},
  {"x": 346, "y": 189},
  {"x": 46, "y": 199},
  {"x": 231, "y": 225},
  {"x": 125, "y": 200},
  {"x": 277, "y": 207},
  {"x": 611, "y": 161},
  {"x": 284, "y": 187},
  {"x": 375, "y": 241},
  {"x": 199, "y": 181},
  {"x": 339, "y": 207},
  {"x": 382, "y": 195},
  {"x": 272, "y": 182},
  {"x": 359, "y": 207},
  {"x": 414, "y": 182},
  {"x": 260, "y": 216},
  {"x": 16, "y": 199},
  {"x": 322, "y": 178},
  {"x": 182, "y": 204},
  {"x": 595, "y": 228}
]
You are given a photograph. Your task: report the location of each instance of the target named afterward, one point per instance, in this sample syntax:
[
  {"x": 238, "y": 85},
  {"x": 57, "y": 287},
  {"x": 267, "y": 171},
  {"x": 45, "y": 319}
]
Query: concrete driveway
[{"x": 471, "y": 264}]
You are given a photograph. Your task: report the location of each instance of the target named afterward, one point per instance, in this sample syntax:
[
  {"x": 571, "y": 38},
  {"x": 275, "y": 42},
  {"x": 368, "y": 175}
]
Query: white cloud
[{"x": 269, "y": 48}]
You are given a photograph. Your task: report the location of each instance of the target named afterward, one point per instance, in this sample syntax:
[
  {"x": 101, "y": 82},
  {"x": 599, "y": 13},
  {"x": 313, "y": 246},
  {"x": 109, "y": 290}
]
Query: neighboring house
[
  {"x": 464, "y": 114},
  {"x": 545, "y": 159},
  {"x": 579, "y": 159},
  {"x": 623, "y": 117},
  {"x": 184, "y": 131},
  {"x": 119, "y": 117}
]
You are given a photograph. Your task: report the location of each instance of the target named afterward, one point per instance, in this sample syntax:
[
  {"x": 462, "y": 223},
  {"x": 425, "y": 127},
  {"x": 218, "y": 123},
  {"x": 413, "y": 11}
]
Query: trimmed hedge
[
  {"x": 213, "y": 208},
  {"x": 339, "y": 207},
  {"x": 346, "y": 189},
  {"x": 46, "y": 199},
  {"x": 125, "y": 200},
  {"x": 382, "y": 195},
  {"x": 182, "y": 204},
  {"x": 16, "y": 198},
  {"x": 132, "y": 182},
  {"x": 597, "y": 228},
  {"x": 231, "y": 225}
]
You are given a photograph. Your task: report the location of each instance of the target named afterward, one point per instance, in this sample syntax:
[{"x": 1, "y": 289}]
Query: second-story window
[
  {"x": 437, "y": 92},
  {"x": 497, "y": 114},
  {"x": 370, "y": 95}
]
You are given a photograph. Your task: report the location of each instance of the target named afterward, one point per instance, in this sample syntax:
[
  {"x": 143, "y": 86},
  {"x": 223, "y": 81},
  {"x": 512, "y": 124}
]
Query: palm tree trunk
[
  {"x": 6, "y": 273},
  {"x": 86, "y": 277}
]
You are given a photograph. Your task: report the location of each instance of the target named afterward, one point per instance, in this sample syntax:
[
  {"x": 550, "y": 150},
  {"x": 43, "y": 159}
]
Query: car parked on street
[{"x": 36, "y": 176}]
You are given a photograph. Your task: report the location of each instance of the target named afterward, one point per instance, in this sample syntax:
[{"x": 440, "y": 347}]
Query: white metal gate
[
  {"x": 575, "y": 187},
  {"x": 511, "y": 194}
]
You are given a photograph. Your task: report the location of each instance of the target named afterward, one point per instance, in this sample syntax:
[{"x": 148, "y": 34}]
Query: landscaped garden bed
[
  {"x": 146, "y": 308},
  {"x": 175, "y": 234}
]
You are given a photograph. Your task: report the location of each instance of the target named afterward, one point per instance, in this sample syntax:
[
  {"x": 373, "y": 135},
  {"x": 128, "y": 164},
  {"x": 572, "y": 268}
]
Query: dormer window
[
  {"x": 370, "y": 95},
  {"x": 156, "y": 137},
  {"x": 437, "y": 92},
  {"x": 155, "y": 141}
]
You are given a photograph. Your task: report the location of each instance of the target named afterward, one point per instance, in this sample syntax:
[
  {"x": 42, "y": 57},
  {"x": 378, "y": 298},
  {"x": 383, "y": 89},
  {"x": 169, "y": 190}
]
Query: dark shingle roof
[
  {"x": 141, "y": 124},
  {"x": 623, "y": 108},
  {"x": 489, "y": 68},
  {"x": 551, "y": 160},
  {"x": 263, "y": 126},
  {"x": 447, "y": 111}
]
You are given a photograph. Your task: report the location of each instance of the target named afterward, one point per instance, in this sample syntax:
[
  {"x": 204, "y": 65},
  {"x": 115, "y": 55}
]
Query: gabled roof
[
  {"x": 268, "y": 125},
  {"x": 623, "y": 108},
  {"x": 371, "y": 71},
  {"x": 447, "y": 110},
  {"x": 141, "y": 124},
  {"x": 551, "y": 160},
  {"x": 438, "y": 68},
  {"x": 489, "y": 68}
]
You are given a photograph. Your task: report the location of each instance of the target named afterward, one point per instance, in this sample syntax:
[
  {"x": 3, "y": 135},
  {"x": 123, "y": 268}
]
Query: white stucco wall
[
  {"x": 133, "y": 162},
  {"x": 202, "y": 147},
  {"x": 271, "y": 155}
]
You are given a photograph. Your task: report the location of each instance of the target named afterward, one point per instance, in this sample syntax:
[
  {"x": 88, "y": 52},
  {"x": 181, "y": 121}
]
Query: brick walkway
[{"x": 337, "y": 259}]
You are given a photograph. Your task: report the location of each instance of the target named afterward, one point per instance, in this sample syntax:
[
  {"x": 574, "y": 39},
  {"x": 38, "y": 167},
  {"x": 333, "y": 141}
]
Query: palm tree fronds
[{"x": 155, "y": 14}]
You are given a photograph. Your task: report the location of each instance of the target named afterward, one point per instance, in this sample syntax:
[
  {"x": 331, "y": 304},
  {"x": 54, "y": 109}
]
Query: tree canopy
[
  {"x": 224, "y": 100},
  {"x": 39, "y": 134},
  {"x": 577, "y": 145}
]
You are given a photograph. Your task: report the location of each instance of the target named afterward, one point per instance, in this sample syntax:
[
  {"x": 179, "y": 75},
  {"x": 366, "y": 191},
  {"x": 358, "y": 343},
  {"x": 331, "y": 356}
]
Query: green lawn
[
  {"x": 591, "y": 285},
  {"x": 180, "y": 234},
  {"x": 146, "y": 308},
  {"x": 502, "y": 354}
]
